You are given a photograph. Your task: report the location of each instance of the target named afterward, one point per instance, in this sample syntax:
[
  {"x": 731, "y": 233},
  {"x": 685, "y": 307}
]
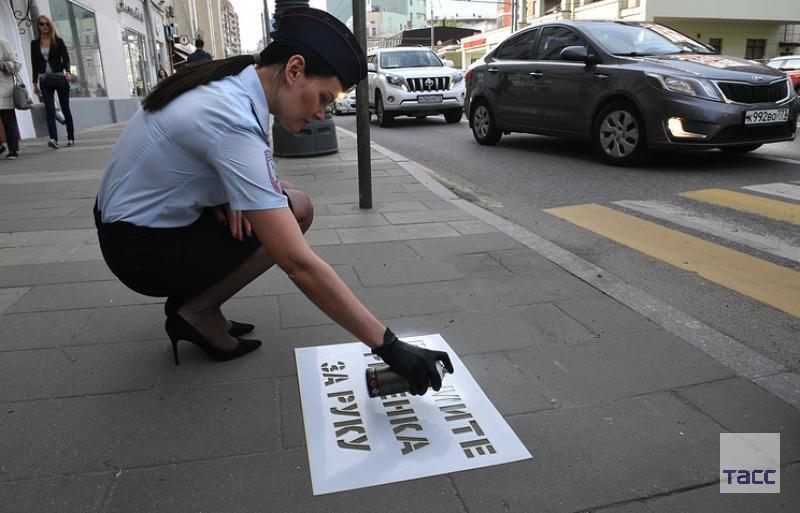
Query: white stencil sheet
[{"x": 356, "y": 441}]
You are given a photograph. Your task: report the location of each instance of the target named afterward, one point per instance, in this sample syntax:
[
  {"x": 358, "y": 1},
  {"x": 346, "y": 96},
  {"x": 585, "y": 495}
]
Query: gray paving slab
[
  {"x": 616, "y": 367},
  {"x": 37, "y": 254},
  {"x": 121, "y": 324},
  {"x": 349, "y": 221},
  {"x": 400, "y": 300},
  {"x": 510, "y": 391},
  {"x": 744, "y": 407},
  {"x": 317, "y": 237},
  {"x": 584, "y": 458},
  {"x": 68, "y": 296},
  {"x": 463, "y": 245},
  {"x": 396, "y": 232},
  {"x": 427, "y": 216},
  {"x": 605, "y": 317},
  {"x": 84, "y": 370},
  {"x": 121, "y": 431},
  {"x": 8, "y": 297},
  {"x": 78, "y": 493},
  {"x": 471, "y": 227},
  {"x": 276, "y": 482},
  {"x": 480, "y": 332},
  {"x": 376, "y": 251},
  {"x": 50, "y": 223},
  {"x": 708, "y": 499},
  {"x": 40, "y": 330},
  {"x": 60, "y": 272},
  {"x": 353, "y": 208},
  {"x": 516, "y": 290}
]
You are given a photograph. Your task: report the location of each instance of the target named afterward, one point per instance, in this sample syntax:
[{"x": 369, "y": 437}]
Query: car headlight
[
  {"x": 455, "y": 79},
  {"x": 698, "y": 87},
  {"x": 396, "y": 81}
]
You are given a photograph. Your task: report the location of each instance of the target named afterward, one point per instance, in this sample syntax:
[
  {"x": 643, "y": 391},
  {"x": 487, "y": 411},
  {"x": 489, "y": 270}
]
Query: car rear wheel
[
  {"x": 453, "y": 116},
  {"x": 618, "y": 134},
  {"x": 484, "y": 129},
  {"x": 384, "y": 118},
  {"x": 742, "y": 148}
]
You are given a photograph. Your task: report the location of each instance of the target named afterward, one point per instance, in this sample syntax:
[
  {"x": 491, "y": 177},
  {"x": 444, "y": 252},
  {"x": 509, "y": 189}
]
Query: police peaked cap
[{"x": 326, "y": 36}]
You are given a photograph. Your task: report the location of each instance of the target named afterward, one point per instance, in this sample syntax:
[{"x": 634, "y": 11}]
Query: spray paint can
[{"x": 382, "y": 381}]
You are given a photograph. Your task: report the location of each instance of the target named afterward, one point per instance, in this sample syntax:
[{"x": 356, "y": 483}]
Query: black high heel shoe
[
  {"x": 237, "y": 329},
  {"x": 179, "y": 329}
]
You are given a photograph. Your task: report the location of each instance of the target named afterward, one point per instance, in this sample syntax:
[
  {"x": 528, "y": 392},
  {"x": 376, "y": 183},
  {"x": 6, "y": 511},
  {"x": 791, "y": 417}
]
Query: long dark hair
[{"x": 201, "y": 73}]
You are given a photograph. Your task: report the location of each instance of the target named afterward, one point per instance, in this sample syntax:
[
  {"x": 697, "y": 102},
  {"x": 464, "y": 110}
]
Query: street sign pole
[{"x": 362, "y": 112}]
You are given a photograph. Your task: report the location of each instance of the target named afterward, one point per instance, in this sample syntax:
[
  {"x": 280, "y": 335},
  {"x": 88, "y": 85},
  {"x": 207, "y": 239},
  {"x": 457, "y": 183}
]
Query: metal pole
[
  {"x": 266, "y": 24},
  {"x": 432, "y": 45},
  {"x": 362, "y": 112}
]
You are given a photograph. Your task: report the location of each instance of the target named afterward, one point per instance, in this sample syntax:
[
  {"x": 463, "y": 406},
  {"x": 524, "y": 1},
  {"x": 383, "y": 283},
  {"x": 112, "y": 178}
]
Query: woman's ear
[{"x": 295, "y": 66}]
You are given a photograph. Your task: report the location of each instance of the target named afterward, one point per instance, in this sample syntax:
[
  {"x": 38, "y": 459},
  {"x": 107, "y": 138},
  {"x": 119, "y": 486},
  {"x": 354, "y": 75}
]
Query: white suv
[{"x": 413, "y": 81}]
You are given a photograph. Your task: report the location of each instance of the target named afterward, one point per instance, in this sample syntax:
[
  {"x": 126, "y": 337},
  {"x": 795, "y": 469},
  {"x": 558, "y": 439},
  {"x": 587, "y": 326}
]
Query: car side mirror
[
  {"x": 370, "y": 67},
  {"x": 448, "y": 63},
  {"x": 578, "y": 54}
]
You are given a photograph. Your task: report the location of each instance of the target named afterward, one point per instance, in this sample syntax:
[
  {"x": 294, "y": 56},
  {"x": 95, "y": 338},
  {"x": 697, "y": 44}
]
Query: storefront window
[
  {"x": 133, "y": 49},
  {"x": 78, "y": 28}
]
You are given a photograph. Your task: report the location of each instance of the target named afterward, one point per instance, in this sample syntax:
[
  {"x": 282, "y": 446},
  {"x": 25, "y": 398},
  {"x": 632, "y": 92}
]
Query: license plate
[
  {"x": 765, "y": 117},
  {"x": 430, "y": 98}
]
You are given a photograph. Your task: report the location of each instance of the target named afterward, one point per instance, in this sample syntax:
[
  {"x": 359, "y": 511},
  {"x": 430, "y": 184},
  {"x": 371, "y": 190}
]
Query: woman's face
[
  {"x": 303, "y": 98},
  {"x": 44, "y": 26}
]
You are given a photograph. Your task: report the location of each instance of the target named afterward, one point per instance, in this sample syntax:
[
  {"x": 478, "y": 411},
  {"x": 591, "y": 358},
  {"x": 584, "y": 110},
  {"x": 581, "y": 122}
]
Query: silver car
[{"x": 627, "y": 87}]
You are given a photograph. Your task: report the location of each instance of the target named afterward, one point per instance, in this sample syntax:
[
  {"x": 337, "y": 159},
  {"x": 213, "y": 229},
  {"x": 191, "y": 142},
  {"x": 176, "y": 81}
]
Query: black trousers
[
  {"x": 9, "y": 118},
  {"x": 172, "y": 262},
  {"x": 48, "y": 95}
]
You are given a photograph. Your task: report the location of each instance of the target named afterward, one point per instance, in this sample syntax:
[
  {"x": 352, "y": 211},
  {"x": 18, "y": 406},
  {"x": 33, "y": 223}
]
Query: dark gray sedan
[{"x": 626, "y": 88}]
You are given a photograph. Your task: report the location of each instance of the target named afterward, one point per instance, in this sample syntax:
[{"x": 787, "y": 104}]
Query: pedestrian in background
[
  {"x": 162, "y": 74},
  {"x": 51, "y": 76},
  {"x": 199, "y": 54},
  {"x": 9, "y": 64}
]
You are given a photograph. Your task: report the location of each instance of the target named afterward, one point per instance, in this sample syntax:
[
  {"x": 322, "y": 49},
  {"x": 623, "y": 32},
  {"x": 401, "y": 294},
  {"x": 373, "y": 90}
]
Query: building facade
[
  {"x": 741, "y": 28},
  {"x": 115, "y": 47},
  {"x": 230, "y": 30}
]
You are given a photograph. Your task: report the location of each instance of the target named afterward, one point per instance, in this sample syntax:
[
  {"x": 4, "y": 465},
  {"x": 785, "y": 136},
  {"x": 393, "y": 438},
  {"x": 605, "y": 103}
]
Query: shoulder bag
[{"x": 22, "y": 100}]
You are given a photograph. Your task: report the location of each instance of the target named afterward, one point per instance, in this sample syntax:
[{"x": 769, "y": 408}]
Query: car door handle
[
  {"x": 536, "y": 74},
  {"x": 493, "y": 70}
]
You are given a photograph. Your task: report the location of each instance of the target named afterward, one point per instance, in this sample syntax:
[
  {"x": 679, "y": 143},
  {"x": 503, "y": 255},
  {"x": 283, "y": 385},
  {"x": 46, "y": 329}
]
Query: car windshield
[
  {"x": 643, "y": 39},
  {"x": 410, "y": 59}
]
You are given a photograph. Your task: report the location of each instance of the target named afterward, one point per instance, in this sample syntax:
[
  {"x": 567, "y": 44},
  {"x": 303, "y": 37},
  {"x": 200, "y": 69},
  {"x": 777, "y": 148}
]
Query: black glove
[{"x": 414, "y": 363}]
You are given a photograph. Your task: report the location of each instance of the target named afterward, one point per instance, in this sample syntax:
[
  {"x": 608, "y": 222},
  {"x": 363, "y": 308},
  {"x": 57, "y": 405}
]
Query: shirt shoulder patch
[{"x": 273, "y": 176}]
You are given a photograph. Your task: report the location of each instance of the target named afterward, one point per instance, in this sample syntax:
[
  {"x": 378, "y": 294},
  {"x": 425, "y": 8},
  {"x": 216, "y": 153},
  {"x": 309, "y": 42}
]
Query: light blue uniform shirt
[{"x": 209, "y": 146}]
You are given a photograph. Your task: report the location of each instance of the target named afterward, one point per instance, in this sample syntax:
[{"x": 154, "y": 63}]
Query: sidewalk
[{"x": 620, "y": 415}]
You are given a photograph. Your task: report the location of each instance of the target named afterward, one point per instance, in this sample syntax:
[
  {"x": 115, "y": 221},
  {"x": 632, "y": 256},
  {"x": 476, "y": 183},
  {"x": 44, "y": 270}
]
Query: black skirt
[{"x": 172, "y": 262}]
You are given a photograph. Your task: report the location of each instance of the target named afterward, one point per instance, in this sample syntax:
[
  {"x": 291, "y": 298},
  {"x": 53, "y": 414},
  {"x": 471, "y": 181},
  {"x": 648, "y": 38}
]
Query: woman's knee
[{"x": 302, "y": 208}]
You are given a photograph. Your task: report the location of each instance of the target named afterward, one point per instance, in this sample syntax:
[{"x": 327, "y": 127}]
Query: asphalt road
[{"x": 525, "y": 174}]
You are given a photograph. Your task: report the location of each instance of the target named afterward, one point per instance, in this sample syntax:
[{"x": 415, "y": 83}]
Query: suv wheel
[
  {"x": 618, "y": 134},
  {"x": 453, "y": 116},
  {"x": 742, "y": 148},
  {"x": 483, "y": 126},
  {"x": 384, "y": 118}
]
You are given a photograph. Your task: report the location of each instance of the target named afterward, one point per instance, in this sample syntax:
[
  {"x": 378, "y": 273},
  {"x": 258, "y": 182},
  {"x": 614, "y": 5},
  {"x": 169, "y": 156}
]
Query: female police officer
[{"x": 196, "y": 157}]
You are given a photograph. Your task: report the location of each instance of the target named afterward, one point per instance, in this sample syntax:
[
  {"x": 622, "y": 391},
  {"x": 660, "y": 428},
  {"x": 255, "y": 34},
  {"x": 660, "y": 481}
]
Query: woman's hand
[
  {"x": 68, "y": 76},
  {"x": 416, "y": 364},
  {"x": 237, "y": 224}
]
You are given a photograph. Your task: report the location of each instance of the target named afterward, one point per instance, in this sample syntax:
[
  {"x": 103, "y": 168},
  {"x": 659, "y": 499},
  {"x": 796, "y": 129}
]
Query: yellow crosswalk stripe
[
  {"x": 773, "y": 209},
  {"x": 769, "y": 283}
]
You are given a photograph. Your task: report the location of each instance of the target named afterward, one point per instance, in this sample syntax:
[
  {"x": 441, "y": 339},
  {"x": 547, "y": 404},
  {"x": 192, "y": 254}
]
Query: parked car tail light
[
  {"x": 469, "y": 74},
  {"x": 699, "y": 87}
]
